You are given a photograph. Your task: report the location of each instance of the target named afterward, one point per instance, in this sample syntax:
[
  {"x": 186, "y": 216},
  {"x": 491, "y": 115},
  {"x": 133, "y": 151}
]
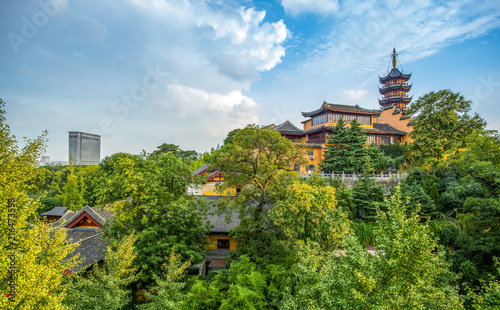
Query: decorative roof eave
[
  {"x": 386, "y": 129},
  {"x": 213, "y": 175},
  {"x": 91, "y": 213},
  {"x": 384, "y": 90},
  {"x": 393, "y": 100},
  {"x": 288, "y": 128},
  {"x": 342, "y": 108},
  {"x": 331, "y": 128},
  {"x": 394, "y": 74}
]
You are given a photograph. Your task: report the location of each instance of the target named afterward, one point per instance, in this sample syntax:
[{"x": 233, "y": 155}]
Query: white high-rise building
[{"x": 84, "y": 148}]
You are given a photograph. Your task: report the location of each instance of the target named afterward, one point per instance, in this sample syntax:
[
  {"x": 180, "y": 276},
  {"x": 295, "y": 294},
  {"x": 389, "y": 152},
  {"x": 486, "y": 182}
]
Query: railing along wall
[{"x": 354, "y": 177}]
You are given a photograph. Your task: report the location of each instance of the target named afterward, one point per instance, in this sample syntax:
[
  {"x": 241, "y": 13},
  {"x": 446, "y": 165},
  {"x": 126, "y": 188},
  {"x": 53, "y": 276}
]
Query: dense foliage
[
  {"x": 35, "y": 252},
  {"x": 302, "y": 244}
]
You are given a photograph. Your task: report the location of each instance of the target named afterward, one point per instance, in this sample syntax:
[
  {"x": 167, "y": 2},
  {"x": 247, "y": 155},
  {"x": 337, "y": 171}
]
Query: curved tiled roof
[
  {"x": 394, "y": 87},
  {"x": 56, "y": 211},
  {"x": 392, "y": 100},
  {"x": 394, "y": 74},
  {"x": 288, "y": 128},
  {"x": 355, "y": 109},
  {"x": 91, "y": 249},
  {"x": 387, "y": 129}
]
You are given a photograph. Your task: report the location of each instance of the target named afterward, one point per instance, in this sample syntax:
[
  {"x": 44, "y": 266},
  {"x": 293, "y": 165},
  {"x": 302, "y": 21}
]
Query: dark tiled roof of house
[
  {"x": 64, "y": 219},
  {"x": 288, "y": 128},
  {"x": 388, "y": 129},
  {"x": 90, "y": 250},
  {"x": 56, "y": 211},
  {"x": 356, "y": 109},
  {"x": 98, "y": 217},
  {"x": 219, "y": 221},
  {"x": 200, "y": 170}
]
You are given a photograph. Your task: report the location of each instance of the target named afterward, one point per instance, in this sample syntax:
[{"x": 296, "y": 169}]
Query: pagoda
[{"x": 395, "y": 87}]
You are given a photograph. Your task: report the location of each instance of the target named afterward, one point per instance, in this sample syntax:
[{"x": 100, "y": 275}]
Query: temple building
[
  {"x": 395, "y": 87},
  {"x": 385, "y": 125}
]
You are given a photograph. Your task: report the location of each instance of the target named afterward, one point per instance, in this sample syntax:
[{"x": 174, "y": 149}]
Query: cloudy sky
[{"x": 144, "y": 72}]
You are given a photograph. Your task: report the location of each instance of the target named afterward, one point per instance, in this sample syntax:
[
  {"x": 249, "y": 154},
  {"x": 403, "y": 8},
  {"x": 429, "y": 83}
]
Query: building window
[
  {"x": 384, "y": 140},
  {"x": 222, "y": 244}
]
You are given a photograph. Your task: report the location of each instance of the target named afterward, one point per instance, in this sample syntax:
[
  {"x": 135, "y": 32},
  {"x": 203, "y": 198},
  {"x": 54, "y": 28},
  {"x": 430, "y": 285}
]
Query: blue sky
[{"x": 145, "y": 72}]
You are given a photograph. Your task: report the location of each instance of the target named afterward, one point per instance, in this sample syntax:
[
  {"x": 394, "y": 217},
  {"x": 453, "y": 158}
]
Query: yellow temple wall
[
  {"x": 394, "y": 120},
  {"x": 307, "y": 124},
  {"x": 212, "y": 243}
]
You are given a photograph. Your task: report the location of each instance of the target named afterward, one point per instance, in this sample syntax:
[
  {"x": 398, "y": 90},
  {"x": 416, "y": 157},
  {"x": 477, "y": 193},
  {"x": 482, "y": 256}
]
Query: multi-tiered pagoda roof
[{"x": 395, "y": 87}]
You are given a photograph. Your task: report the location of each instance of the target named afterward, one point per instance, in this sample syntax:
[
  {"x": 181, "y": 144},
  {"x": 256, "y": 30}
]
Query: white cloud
[
  {"x": 353, "y": 96},
  {"x": 297, "y": 7},
  {"x": 366, "y": 32}
]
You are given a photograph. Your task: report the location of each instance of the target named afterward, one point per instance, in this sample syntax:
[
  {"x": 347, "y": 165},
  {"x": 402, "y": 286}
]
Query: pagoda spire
[{"x": 394, "y": 59}]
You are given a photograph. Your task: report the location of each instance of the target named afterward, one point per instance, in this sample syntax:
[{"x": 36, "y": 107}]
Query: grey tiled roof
[
  {"x": 341, "y": 108},
  {"x": 386, "y": 128},
  {"x": 219, "y": 221},
  {"x": 288, "y": 128},
  {"x": 101, "y": 219},
  {"x": 90, "y": 250},
  {"x": 200, "y": 170},
  {"x": 64, "y": 219},
  {"x": 56, "y": 211}
]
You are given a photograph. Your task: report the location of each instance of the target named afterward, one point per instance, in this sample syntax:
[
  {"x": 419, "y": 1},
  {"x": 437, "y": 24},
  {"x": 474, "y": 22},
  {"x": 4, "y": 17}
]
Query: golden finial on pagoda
[{"x": 394, "y": 61}]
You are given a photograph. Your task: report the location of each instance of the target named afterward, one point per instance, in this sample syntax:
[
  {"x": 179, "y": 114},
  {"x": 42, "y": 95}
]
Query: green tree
[
  {"x": 441, "y": 123},
  {"x": 259, "y": 164},
  {"x": 167, "y": 293},
  {"x": 165, "y": 148},
  {"x": 379, "y": 161},
  {"x": 230, "y": 136},
  {"x": 358, "y": 152},
  {"x": 39, "y": 250},
  {"x": 105, "y": 287},
  {"x": 72, "y": 192},
  {"x": 408, "y": 271},
  {"x": 367, "y": 196},
  {"x": 418, "y": 198},
  {"x": 157, "y": 210},
  {"x": 337, "y": 149},
  {"x": 310, "y": 213},
  {"x": 346, "y": 149},
  {"x": 177, "y": 226},
  {"x": 479, "y": 240}
]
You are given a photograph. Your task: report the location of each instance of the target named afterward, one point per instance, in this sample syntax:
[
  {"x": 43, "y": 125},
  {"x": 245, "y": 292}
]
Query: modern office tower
[{"x": 84, "y": 148}]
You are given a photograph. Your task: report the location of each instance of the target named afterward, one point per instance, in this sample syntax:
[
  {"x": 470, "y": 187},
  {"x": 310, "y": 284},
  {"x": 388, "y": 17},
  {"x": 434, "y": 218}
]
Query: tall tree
[
  {"x": 34, "y": 257},
  {"x": 337, "y": 149},
  {"x": 409, "y": 271},
  {"x": 157, "y": 210},
  {"x": 441, "y": 122},
  {"x": 105, "y": 287},
  {"x": 259, "y": 164},
  {"x": 367, "y": 196},
  {"x": 346, "y": 149},
  {"x": 73, "y": 192},
  {"x": 358, "y": 157},
  {"x": 310, "y": 213}
]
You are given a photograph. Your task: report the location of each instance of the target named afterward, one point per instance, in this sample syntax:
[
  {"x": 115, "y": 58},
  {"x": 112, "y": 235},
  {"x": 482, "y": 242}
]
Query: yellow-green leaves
[{"x": 311, "y": 213}]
